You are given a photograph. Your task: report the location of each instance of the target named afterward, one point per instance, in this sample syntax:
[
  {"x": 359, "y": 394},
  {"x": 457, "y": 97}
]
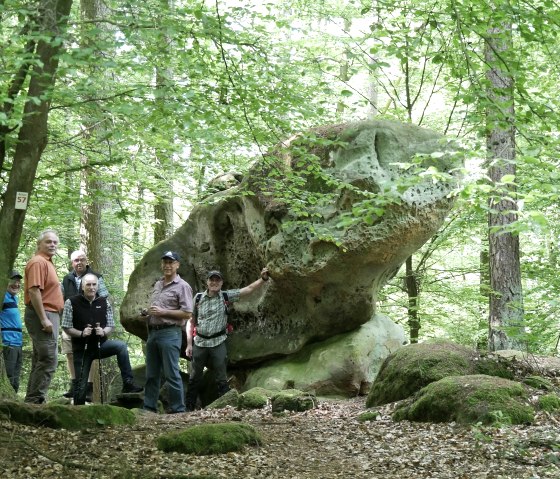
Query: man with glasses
[
  {"x": 12, "y": 337},
  {"x": 210, "y": 321},
  {"x": 72, "y": 286}
]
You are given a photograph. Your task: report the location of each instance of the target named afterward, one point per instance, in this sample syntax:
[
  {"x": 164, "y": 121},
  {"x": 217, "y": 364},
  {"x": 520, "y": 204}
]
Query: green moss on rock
[
  {"x": 205, "y": 439},
  {"x": 368, "y": 416},
  {"x": 412, "y": 367},
  {"x": 293, "y": 400},
  {"x": 538, "y": 382},
  {"x": 255, "y": 398},
  {"x": 549, "y": 402},
  {"x": 469, "y": 400},
  {"x": 231, "y": 398},
  {"x": 58, "y": 416}
]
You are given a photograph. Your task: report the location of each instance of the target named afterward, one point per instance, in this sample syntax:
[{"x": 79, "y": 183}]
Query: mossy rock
[
  {"x": 412, "y": 367},
  {"x": 231, "y": 398},
  {"x": 538, "y": 382},
  {"x": 255, "y": 398},
  {"x": 549, "y": 402},
  {"x": 469, "y": 400},
  {"x": 205, "y": 439},
  {"x": 58, "y": 416},
  {"x": 369, "y": 416},
  {"x": 293, "y": 400}
]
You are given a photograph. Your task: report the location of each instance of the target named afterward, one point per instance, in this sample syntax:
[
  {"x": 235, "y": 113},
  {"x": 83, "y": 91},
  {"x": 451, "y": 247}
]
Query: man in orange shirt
[{"x": 43, "y": 303}]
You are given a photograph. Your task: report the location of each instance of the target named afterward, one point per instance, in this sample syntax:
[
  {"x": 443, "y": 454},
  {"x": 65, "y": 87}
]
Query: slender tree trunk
[
  {"x": 163, "y": 208},
  {"x": 412, "y": 290},
  {"x": 506, "y": 307}
]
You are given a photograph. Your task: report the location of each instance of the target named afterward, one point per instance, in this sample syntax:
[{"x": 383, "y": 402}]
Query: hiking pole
[
  {"x": 79, "y": 385},
  {"x": 100, "y": 368}
]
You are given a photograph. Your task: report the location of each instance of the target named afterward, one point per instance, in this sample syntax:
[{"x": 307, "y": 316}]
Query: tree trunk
[
  {"x": 506, "y": 307},
  {"x": 32, "y": 136},
  {"x": 412, "y": 291},
  {"x": 101, "y": 227}
]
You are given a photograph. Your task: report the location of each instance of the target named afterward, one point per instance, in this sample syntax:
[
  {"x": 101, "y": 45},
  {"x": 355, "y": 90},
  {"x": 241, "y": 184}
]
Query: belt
[
  {"x": 12, "y": 329},
  {"x": 157, "y": 327},
  {"x": 212, "y": 336}
]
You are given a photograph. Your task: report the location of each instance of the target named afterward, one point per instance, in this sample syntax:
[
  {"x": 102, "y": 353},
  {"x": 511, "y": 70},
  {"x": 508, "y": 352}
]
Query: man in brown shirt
[{"x": 43, "y": 303}]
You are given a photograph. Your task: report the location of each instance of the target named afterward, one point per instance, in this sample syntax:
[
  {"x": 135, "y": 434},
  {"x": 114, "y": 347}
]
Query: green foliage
[
  {"x": 206, "y": 439},
  {"x": 549, "y": 402}
]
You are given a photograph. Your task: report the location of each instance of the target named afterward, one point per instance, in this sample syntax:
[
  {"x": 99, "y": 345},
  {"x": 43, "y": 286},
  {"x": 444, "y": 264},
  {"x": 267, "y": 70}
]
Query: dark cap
[
  {"x": 214, "y": 272},
  {"x": 15, "y": 275},
  {"x": 171, "y": 255}
]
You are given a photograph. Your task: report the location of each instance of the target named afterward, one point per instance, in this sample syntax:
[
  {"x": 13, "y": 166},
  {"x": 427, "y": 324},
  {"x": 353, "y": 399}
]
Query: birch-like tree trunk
[{"x": 506, "y": 305}]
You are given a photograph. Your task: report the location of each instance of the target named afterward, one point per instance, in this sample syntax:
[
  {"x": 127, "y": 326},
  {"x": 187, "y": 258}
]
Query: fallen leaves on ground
[{"x": 327, "y": 442}]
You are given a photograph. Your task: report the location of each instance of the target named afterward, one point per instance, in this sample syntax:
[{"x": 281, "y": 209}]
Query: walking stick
[
  {"x": 100, "y": 367},
  {"x": 79, "y": 385}
]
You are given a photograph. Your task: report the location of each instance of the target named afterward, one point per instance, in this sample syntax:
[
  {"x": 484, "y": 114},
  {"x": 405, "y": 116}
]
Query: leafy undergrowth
[{"x": 326, "y": 442}]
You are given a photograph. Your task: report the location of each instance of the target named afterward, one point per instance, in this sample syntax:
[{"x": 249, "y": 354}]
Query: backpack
[{"x": 229, "y": 327}]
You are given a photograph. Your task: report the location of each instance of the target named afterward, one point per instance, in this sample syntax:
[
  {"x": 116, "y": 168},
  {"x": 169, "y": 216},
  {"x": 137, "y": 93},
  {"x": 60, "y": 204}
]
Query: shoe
[
  {"x": 89, "y": 392},
  {"x": 70, "y": 393},
  {"x": 130, "y": 387},
  {"x": 189, "y": 408}
]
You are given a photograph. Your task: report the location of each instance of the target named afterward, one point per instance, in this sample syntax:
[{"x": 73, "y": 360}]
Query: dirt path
[{"x": 328, "y": 442}]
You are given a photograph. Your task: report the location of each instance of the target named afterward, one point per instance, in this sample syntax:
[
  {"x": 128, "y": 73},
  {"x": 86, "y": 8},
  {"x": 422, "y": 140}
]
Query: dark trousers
[
  {"x": 214, "y": 358},
  {"x": 13, "y": 359},
  {"x": 84, "y": 357}
]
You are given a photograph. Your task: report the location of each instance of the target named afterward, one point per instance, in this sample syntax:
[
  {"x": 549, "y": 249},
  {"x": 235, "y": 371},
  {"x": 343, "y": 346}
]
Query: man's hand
[
  {"x": 264, "y": 274},
  {"x": 188, "y": 351},
  {"x": 47, "y": 326},
  {"x": 156, "y": 311},
  {"x": 88, "y": 330},
  {"x": 99, "y": 330}
]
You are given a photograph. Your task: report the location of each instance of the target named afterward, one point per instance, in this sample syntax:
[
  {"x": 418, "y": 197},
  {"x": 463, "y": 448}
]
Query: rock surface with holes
[{"x": 395, "y": 177}]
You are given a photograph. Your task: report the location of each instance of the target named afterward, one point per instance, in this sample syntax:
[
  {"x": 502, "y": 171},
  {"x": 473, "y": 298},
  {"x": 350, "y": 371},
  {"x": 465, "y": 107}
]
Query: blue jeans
[
  {"x": 162, "y": 355},
  {"x": 84, "y": 357}
]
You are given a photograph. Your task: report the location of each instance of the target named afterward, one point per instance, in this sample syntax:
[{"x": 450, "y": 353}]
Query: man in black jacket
[
  {"x": 88, "y": 319},
  {"x": 71, "y": 286}
]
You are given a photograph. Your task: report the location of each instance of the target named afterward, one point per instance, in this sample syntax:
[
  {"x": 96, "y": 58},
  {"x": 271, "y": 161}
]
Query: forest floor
[{"x": 327, "y": 442}]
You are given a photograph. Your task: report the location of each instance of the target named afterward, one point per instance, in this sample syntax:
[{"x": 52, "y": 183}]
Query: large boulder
[
  {"x": 406, "y": 371},
  {"x": 469, "y": 400},
  {"x": 286, "y": 214},
  {"x": 344, "y": 365}
]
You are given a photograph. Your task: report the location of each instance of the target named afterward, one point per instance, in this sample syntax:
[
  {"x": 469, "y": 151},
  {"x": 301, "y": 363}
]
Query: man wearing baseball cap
[
  {"x": 171, "y": 307},
  {"x": 210, "y": 320},
  {"x": 11, "y": 326}
]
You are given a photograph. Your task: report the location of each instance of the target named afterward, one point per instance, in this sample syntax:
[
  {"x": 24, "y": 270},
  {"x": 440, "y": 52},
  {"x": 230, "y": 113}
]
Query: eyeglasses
[{"x": 80, "y": 260}]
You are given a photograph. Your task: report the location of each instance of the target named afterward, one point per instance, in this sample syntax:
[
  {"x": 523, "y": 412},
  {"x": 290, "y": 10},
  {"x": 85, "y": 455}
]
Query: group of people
[
  {"x": 171, "y": 310},
  {"x": 87, "y": 321}
]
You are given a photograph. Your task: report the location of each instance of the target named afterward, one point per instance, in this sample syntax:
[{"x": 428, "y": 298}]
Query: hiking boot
[
  {"x": 89, "y": 392},
  {"x": 70, "y": 393},
  {"x": 130, "y": 387}
]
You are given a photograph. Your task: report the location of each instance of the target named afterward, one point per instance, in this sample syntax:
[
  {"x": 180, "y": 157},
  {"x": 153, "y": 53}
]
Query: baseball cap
[
  {"x": 15, "y": 275},
  {"x": 171, "y": 255},
  {"x": 214, "y": 272}
]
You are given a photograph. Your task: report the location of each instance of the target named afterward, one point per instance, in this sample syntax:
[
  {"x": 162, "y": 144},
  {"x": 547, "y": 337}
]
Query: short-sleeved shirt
[
  {"x": 40, "y": 272},
  {"x": 211, "y": 317},
  {"x": 176, "y": 295},
  {"x": 10, "y": 321}
]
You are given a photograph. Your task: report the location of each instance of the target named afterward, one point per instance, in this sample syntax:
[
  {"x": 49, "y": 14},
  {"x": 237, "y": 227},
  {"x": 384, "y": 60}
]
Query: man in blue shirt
[{"x": 12, "y": 338}]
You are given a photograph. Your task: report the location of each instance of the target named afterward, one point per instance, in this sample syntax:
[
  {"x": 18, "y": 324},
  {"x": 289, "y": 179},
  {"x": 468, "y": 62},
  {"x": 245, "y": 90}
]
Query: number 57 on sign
[{"x": 21, "y": 200}]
